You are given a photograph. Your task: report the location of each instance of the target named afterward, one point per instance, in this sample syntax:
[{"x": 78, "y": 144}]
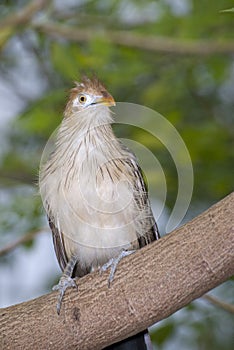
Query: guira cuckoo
[{"x": 94, "y": 192}]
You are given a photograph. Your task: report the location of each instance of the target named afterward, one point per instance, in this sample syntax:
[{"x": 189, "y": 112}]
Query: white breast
[{"x": 90, "y": 197}]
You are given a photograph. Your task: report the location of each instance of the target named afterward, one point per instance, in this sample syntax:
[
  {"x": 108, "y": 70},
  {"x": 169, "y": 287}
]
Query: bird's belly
[{"x": 97, "y": 221}]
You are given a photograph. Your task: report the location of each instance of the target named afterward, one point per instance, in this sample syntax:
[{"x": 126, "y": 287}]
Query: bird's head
[{"x": 89, "y": 93}]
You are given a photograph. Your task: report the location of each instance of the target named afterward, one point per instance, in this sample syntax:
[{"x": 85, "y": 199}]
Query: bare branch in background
[
  {"x": 223, "y": 305},
  {"x": 24, "y": 15},
  {"x": 24, "y": 178},
  {"x": 24, "y": 239},
  {"x": 124, "y": 38},
  {"x": 138, "y": 41}
]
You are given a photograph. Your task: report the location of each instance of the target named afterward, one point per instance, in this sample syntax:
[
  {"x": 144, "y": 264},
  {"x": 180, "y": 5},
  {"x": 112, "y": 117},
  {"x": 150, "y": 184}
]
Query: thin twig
[
  {"x": 219, "y": 303},
  {"x": 16, "y": 177},
  {"x": 24, "y": 239}
]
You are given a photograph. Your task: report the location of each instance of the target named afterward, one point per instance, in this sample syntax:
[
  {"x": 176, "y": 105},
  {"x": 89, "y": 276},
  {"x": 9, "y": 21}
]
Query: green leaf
[
  {"x": 45, "y": 114},
  {"x": 163, "y": 333}
]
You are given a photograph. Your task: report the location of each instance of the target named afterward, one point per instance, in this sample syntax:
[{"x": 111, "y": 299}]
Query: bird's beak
[{"x": 106, "y": 100}]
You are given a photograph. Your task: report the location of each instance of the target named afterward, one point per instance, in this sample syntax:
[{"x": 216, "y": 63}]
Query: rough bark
[{"x": 149, "y": 285}]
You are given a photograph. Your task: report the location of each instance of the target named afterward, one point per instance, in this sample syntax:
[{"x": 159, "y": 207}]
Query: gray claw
[
  {"x": 113, "y": 263},
  {"x": 64, "y": 283}
]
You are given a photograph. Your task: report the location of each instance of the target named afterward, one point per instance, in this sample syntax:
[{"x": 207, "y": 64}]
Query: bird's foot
[
  {"x": 113, "y": 263},
  {"x": 64, "y": 283}
]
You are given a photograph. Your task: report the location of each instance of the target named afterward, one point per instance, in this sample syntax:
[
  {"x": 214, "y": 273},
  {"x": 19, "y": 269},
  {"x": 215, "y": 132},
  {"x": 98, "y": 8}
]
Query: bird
[{"x": 94, "y": 193}]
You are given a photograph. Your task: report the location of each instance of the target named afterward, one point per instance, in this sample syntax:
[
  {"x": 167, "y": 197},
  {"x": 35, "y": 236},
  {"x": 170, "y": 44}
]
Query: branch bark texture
[{"x": 149, "y": 285}]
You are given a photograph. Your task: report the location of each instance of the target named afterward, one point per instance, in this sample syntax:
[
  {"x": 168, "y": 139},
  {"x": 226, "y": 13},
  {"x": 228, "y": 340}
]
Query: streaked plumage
[{"x": 92, "y": 187}]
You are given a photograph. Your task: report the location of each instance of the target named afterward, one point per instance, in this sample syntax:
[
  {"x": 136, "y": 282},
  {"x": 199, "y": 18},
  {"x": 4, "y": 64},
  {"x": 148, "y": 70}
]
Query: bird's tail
[{"x": 136, "y": 342}]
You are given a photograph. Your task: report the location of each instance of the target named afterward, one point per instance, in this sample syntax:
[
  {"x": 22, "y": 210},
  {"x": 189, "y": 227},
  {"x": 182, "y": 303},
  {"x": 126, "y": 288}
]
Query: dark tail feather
[{"x": 136, "y": 342}]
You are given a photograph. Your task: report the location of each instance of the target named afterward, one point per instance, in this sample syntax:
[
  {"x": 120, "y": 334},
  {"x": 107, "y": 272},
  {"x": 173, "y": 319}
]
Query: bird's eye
[{"x": 82, "y": 99}]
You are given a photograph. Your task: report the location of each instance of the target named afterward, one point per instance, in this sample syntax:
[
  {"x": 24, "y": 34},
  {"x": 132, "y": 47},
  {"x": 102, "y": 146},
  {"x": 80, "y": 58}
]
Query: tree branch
[
  {"x": 24, "y": 15},
  {"x": 139, "y": 41},
  {"x": 219, "y": 303},
  {"x": 149, "y": 285},
  {"x": 21, "y": 240},
  {"x": 124, "y": 38}
]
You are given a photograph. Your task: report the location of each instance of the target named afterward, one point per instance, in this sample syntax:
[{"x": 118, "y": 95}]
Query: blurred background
[{"x": 174, "y": 56}]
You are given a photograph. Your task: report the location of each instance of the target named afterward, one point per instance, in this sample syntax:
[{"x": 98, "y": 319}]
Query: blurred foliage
[{"x": 194, "y": 92}]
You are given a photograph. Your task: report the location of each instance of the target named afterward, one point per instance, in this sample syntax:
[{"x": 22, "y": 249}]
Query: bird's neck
[
  {"x": 85, "y": 132},
  {"x": 85, "y": 122}
]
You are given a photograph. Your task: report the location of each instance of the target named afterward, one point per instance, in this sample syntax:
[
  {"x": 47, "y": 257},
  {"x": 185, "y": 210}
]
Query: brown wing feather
[
  {"x": 61, "y": 255},
  {"x": 153, "y": 233},
  {"x": 58, "y": 245}
]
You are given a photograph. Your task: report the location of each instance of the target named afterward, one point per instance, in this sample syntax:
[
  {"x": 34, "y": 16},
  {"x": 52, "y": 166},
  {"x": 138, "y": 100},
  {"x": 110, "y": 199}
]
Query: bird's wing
[
  {"x": 59, "y": 247},
  {"x": 58, "y": 244},
  {"x": 142, "y": 200}
]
